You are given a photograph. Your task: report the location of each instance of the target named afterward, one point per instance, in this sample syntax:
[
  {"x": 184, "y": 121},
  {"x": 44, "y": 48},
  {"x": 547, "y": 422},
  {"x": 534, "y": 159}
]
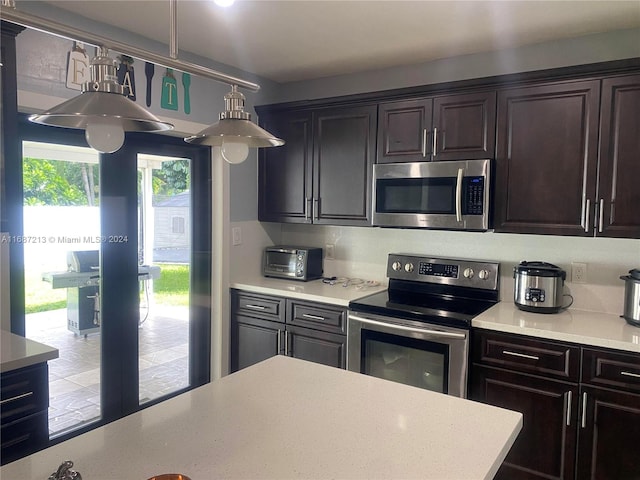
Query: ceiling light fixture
[
  {"x": 234, "y": 133},
  {"x": 102, "y": 110},
  {"x": 224, "y": 3}
]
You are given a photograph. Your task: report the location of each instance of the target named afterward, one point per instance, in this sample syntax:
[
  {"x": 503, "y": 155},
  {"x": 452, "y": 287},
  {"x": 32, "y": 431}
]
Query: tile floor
[{"x": 74, "y": 377}]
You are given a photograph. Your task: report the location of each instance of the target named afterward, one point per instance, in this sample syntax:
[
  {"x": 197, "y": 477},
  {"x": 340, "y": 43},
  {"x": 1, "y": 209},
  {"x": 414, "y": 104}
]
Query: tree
[
  {"x": 44, "y": 185},
  {"x": 172, "y": 178}
]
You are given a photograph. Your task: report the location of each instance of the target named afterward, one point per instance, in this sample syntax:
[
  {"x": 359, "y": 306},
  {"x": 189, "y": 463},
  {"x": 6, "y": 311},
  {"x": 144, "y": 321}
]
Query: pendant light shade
[
  {"x": 102, "y": 109},
  {"x": 235, "y": 132}
]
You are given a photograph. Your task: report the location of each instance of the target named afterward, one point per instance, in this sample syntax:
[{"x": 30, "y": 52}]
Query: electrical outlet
[
  {"x": 330, "y": 251},
  {"x": 578, "y": 272},
  {"x": 236, "y": 236}
]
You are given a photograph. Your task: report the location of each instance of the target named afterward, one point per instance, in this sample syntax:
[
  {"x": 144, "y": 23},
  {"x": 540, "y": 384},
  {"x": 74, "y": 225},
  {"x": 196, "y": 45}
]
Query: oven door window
[
  {"x": 419, "y": 363},
  {"x": 416, "y": 195}
]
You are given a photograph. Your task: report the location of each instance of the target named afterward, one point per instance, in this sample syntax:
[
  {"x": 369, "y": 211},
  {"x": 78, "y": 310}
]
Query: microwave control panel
[{"x": 474, "y": 195}]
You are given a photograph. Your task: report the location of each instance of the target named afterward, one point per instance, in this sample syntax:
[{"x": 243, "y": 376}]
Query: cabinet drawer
[
  {"x": 261, "y": 306},
  {"x": 611, "y": 369},
  {"x": 23, "y": 392},
  {"x": 527, "y": 355},
  {"x": 317, "y": 315},
  {"x": 24, "y": 437}
]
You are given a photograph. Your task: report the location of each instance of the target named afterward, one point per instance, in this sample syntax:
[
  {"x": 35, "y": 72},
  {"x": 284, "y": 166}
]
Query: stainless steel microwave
[
  {"x": 440, "y": 195},
  {"x": 293, "y": 263}
]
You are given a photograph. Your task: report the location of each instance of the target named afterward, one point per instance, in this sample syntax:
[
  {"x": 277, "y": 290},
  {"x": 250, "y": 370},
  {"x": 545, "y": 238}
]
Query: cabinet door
[
  {"x": 546, "y": 158},
  {"x": 344, "y": 149},
  {"x": 284, "y": 178},
  {"x": 405, "y": 131},
  {"x": 254, "y": 340},
  {"x": 610, "y": 435},
  {"x": 464, "y": 126},
  {"x": 546, "y": 446},
  {"x": 316, "y": 346},
  {"x": 619, "y": 195}
]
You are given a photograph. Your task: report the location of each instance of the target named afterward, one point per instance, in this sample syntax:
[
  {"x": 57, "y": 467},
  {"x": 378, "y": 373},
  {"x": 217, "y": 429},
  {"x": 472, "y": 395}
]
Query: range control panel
[{"x": 448, "y": 271}]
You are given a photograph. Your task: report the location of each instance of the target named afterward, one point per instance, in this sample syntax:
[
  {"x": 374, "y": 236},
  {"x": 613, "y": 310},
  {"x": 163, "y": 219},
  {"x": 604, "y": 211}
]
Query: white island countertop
[
  {"x": 18, "y": 352},
  {"x": 577, "y": 326},
  {"x": 288, "y": 418}
]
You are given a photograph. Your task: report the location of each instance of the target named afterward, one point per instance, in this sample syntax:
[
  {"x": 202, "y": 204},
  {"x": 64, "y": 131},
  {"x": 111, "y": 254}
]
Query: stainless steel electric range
[{"x": 417, "y": 331}]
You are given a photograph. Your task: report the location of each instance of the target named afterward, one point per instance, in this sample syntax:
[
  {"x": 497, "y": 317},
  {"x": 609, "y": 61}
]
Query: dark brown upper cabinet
[
  {"x": 618, "y": 197},
  {"x": 546, "y": 158},
  {"x": 284, "y": 180},
  {"x": 550, "y": 176},
  {"x": 452, "y": 127},
  {"x": 323, "y": 173}
]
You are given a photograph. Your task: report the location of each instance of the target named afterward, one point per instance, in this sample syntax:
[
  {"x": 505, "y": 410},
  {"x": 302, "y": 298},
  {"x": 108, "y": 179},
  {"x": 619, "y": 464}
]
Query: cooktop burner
[{"x": 435, "y": 290}]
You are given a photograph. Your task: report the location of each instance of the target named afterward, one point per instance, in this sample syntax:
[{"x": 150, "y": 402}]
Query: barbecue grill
[{"x": 82, "y": 281}]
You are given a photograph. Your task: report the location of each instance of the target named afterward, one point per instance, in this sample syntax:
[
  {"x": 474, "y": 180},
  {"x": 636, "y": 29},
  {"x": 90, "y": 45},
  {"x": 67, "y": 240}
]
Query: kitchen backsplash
[{"x": 362, "y": 252}]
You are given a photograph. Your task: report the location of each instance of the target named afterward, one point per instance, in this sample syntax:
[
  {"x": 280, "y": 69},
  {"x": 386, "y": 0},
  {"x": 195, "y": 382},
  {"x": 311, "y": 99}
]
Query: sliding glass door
[{"x": 121, "y": 283}]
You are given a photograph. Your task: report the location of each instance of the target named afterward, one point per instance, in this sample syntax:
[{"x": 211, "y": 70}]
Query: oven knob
[
  {"x": 483, "y": 274},
  {"x": 408, "y": 267},
  {"x": 397, "y": 266},
  {"x": 468, "y": 273}
]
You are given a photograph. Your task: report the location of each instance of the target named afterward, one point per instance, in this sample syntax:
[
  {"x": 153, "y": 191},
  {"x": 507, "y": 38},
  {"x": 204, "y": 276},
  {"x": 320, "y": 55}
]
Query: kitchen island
[{"x": 288, "y": 418}]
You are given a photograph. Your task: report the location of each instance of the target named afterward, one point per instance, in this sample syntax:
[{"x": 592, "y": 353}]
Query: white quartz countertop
[
  {"x": 578, "y": 326},
  {"x": 18, "y": 352},
  {"x": 315, "y": 290},
  {"x": 288, "y": 418}
]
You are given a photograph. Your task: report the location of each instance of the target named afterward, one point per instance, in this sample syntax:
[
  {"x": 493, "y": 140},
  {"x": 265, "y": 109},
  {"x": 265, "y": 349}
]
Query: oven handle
[
  {"x": 459, "y": 195},
  {"x": 434, "y": 333}
]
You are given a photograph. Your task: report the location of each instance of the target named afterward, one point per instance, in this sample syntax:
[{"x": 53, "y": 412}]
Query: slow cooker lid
[{"x": 540, "y": 269}]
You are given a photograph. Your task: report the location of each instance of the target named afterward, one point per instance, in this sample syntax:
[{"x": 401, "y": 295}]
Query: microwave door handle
[{"x": 459, "y": 195}]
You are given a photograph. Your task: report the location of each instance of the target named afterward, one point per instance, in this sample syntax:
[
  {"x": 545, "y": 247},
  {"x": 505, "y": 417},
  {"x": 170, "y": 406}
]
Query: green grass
[{"x": 172, "y": 288}]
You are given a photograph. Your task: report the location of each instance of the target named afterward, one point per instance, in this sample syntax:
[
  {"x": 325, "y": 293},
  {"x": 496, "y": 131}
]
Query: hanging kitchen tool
[
  {"x": 126, "y": 76},
  {"x": 149, "y": 68},
  {"x": 77, "y": 67},
  {"x": 169, "y": 99},
  {"x": 186, "y": 83}
]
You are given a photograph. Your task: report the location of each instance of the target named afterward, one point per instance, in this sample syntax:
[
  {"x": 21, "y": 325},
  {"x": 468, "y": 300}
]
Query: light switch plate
[{"x": 236, "y": 236}]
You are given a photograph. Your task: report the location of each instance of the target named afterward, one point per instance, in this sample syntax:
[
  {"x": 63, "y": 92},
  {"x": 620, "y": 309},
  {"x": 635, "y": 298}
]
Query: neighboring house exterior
[{"x": 172, "y": 222}]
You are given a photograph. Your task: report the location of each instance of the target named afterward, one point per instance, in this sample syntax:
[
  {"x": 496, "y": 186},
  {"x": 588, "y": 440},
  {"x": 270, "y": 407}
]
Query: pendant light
[
  {"x": 234, "y": 133},
  {"x": 102, "y": 109}
]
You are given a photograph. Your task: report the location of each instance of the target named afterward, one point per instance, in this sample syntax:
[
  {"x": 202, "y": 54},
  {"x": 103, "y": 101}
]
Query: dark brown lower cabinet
[
  {"x": 586, "y": 426},
  {"x": 316, "y": 346},
  {"x": 545, "y": 448},
  {"x": 263, "y": 326},
  {"x": 610, "y": 435}
]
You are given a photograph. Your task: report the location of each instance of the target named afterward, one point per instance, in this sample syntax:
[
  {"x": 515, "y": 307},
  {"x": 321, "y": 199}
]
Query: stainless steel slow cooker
[
  {"x": 538, "y": 287},
  {"x": 632, "y": 297}
]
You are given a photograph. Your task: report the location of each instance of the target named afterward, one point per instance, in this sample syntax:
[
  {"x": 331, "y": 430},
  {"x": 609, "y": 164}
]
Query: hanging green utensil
[
  {"x": 169, "y": 99},
  {"x": 186, "y": 83}
]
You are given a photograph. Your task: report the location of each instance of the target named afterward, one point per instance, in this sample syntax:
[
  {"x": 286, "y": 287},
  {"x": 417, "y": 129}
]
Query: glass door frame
[{"x": 119, "y": 261}]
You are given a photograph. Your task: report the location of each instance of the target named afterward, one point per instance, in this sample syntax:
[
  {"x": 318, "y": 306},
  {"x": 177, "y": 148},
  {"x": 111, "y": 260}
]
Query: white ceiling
[{"x": 300, "y": 40}]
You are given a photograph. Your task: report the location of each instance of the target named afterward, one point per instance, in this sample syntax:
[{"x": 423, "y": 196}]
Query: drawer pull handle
[
  {"x": 256, "y": 307},
  {"x": 17, "y": 397},
  {"x": 630, "y": 374},
  {"x": 522, "y": 355},
  {"x": 583, "y": 423},
  {"x": 313, "y": 317}
]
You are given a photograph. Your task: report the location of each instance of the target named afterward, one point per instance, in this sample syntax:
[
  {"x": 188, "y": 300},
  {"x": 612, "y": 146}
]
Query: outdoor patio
[{"x": 74, "y": 377}]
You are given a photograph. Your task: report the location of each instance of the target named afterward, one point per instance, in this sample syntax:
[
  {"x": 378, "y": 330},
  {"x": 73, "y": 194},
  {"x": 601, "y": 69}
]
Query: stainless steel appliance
[
  {"x": 82, "y": 281},
  {"x": 538, "y": 287},
  {"x": 441, "y": 195},
  {"x": 632, "y": 297},
  {"x": 293, "y": 263},
  {"x": 417, "y": 331}
]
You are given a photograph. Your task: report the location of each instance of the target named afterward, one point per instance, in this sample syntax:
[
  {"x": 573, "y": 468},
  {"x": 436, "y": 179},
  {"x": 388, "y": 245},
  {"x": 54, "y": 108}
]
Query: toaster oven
[{"x": 293, "y": 263}]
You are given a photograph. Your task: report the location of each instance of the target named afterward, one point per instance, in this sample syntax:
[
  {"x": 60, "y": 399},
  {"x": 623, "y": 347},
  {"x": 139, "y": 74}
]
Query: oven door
[
  {"x": 446, "y": 195},
  {"x": 427, "y": 356}
]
